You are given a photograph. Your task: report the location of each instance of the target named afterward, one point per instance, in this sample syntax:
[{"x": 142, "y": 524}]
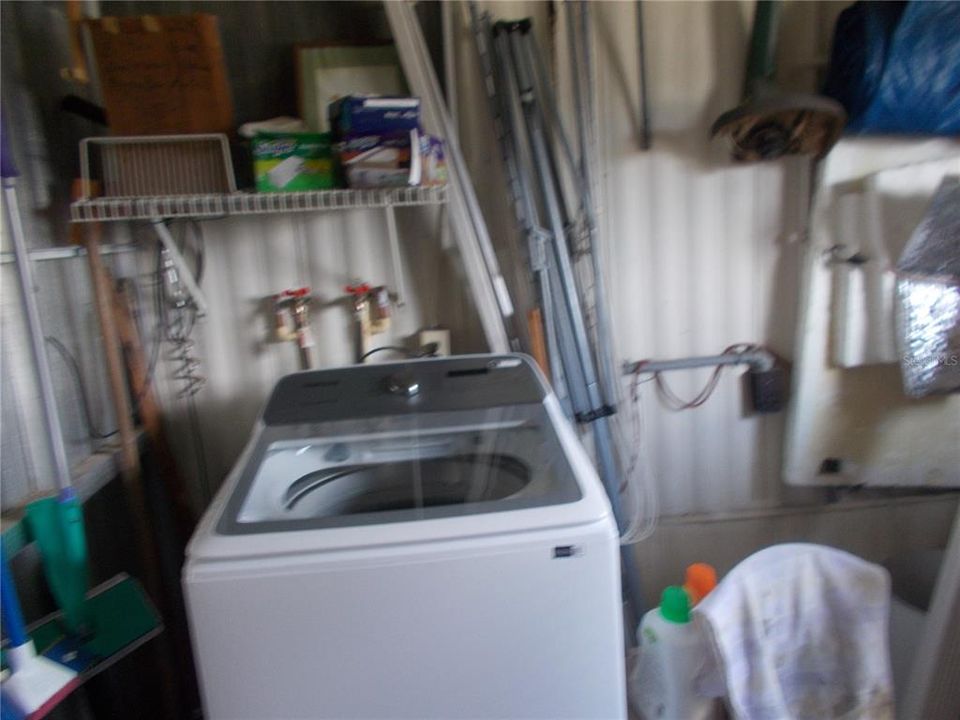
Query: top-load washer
[{"x": 425, "y": 539}]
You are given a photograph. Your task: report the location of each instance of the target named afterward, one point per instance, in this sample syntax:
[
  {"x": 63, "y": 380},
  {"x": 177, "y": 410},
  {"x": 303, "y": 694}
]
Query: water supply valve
[
  {"x": 372, "y": 308},
  {"x": 295, "y": 302}
]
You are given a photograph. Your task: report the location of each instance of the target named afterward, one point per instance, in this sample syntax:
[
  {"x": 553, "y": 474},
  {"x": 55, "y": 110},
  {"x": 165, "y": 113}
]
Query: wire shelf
[{"x": 106, "y": 209}]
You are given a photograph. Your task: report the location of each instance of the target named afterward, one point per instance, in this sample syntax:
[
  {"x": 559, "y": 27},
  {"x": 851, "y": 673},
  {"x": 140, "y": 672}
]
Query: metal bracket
[
  {"x": 176, "y": 257},
  {"x": 538, "y": 252},
  {"x": 399, "y": 288}
]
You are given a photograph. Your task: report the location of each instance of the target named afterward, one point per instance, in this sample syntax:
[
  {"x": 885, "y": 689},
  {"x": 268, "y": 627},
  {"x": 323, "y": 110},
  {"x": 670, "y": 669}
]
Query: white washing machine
[{"x": 425, "y": 539}]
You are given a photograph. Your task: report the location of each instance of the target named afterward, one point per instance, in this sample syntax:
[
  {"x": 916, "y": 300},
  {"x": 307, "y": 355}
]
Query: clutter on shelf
[{"x": 375, "y": 141}]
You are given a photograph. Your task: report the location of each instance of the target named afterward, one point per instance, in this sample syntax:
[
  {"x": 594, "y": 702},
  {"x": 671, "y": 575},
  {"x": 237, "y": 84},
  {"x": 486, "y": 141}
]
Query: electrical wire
[
  {"x": 157, "y": 333},
  {"x": 178, "y": 315},
  {"x": 156, "y": 341},
  {"x": 674, "y": 402},
  {"x": 388, "y": 348},
  {"x": 175, "y": 319},
  {"x": 640, "y": 486},
  {"x": 428, "y": 350},
  {"x": 74, "y": 366}
]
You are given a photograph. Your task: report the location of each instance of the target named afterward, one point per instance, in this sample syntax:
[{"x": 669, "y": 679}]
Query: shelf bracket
[{"x": 176, "y": 257}]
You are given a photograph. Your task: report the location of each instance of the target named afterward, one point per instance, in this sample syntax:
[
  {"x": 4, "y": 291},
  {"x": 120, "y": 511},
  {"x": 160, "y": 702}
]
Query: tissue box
[
  {"x": 287, "y": 162},
  {"x": 360, "y": 115}
]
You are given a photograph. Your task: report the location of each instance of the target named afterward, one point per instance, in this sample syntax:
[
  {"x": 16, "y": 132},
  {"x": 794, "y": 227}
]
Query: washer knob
[{"x": 403, "y": 384}]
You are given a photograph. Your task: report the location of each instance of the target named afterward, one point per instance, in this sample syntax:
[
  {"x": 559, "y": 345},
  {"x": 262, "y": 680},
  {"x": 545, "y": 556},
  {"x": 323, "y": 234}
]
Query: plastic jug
[{"x": 671, "y": 654}]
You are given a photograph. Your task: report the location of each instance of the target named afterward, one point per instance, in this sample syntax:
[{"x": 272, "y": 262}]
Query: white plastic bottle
[{"x": 671, "y": 654}]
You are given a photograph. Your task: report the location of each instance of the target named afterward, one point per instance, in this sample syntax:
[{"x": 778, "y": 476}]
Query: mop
[{"x": 35, "y": 684}]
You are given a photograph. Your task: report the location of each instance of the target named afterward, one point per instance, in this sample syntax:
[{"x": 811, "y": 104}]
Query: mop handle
[
  {"x": 10, "y": 605},
  {"x": 8, "y": 167}
]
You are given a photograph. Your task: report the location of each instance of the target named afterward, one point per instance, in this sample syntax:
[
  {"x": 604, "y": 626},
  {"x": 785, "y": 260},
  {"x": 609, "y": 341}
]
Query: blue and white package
[
  {"x": 357, "y": 115},
  {"x": 392, "y": 160}
]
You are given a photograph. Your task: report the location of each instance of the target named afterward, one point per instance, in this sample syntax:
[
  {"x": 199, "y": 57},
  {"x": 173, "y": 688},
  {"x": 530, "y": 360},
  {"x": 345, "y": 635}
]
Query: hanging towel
[{"x": 800, "y": 632}]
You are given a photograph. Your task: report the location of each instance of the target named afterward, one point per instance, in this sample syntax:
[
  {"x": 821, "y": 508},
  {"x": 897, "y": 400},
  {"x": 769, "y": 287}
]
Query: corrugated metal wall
[{"x": 700, "y": 253}]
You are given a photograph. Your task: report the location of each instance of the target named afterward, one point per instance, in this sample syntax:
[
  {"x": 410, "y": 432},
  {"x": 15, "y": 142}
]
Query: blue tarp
[{"x": 895, "y": 67}]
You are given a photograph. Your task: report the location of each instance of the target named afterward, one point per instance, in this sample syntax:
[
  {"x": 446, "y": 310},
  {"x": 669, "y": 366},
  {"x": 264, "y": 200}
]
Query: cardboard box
[{"x": 162, "y": 75}]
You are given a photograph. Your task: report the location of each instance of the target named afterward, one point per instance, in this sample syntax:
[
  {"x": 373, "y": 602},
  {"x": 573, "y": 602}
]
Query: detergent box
[{"x": 287, "y": 162}]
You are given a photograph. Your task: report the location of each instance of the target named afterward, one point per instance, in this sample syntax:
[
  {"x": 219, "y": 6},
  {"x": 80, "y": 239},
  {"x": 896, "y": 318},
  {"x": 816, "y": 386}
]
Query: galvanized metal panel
[{"x": 700, "y": 253}]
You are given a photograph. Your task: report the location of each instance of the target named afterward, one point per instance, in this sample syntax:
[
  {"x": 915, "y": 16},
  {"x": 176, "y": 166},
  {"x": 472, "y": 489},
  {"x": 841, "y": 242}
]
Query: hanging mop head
[{"x": 773, "y": 124}]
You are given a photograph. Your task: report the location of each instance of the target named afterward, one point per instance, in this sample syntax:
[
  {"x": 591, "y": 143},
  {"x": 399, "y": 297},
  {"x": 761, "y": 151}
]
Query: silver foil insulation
[{"x": 928, "y": 298}]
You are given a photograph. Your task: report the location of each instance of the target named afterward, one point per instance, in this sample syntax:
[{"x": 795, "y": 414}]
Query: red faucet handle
[
  {"x": 297, "y": 292},
  {"x": 359, "y": 289}
]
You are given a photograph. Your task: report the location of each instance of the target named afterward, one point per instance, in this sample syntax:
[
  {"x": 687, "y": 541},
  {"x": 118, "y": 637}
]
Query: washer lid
[{"x": 462, "y": 444}]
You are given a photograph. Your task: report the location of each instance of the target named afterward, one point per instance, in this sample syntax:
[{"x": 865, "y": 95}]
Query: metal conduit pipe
[{"x": 759, "y": 360}]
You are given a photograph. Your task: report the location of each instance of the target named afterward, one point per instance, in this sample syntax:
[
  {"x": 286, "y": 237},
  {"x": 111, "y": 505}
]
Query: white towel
[{"x": 800, "y": 631}]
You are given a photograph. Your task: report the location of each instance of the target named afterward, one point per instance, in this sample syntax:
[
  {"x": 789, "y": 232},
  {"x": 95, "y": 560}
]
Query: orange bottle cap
[{"x": 701, "y": 578}]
